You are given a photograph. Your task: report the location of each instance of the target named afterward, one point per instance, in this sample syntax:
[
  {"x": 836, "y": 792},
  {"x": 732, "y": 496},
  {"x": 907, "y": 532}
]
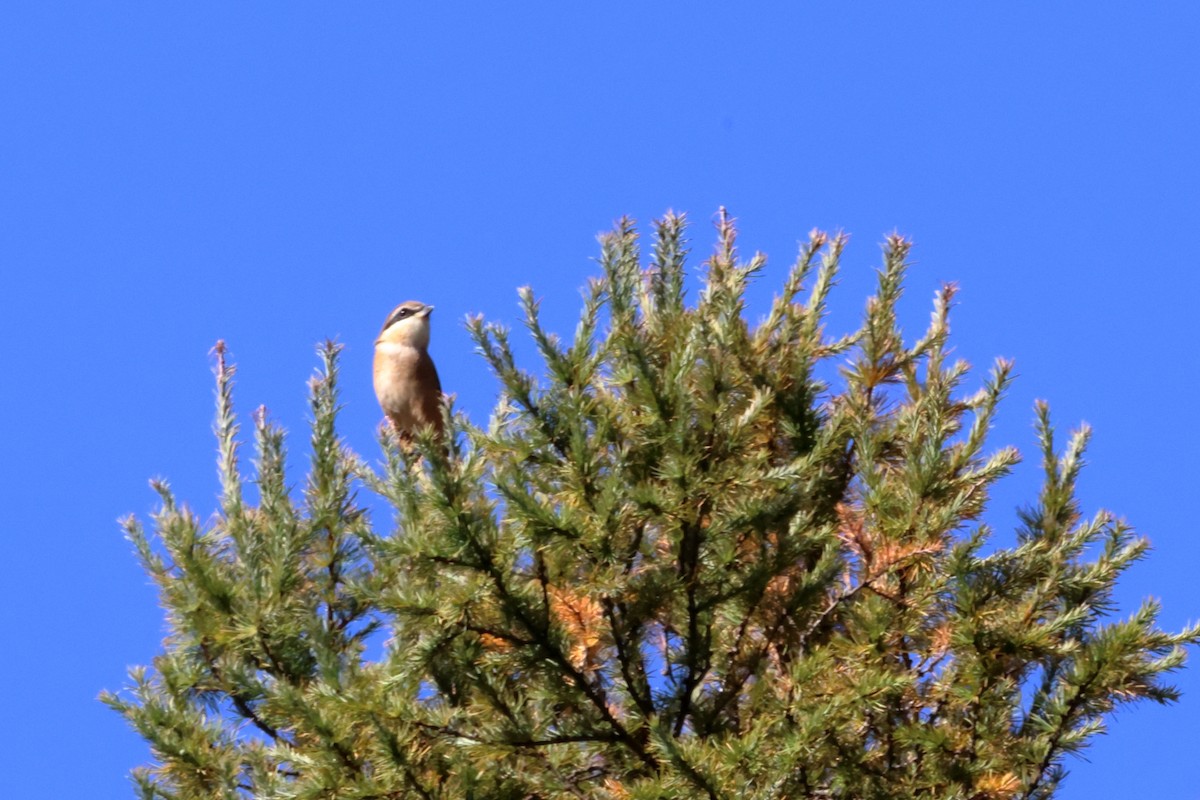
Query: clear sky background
[{"x": 273, "y": 174}]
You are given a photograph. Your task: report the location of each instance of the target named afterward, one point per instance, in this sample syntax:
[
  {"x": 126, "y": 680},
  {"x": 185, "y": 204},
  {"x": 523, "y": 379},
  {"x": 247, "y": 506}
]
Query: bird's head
[{"x": 408, "y": 324}]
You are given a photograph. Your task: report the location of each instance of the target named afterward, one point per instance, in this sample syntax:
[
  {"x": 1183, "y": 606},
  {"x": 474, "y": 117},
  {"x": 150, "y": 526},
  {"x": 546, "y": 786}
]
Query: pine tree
[{"x": 676, "y": 563}]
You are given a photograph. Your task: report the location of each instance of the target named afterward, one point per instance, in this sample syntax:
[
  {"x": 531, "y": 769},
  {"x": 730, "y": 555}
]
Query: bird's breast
[
  {"x": 406, "y": 384},
  {"x": 395, "y": 374}
]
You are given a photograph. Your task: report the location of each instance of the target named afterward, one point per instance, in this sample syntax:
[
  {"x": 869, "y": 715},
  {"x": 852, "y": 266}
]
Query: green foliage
[{"x": 677, "y": 564}]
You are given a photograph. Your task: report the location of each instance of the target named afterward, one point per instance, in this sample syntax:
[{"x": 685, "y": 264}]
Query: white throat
[{"x": 396, "y": 348}]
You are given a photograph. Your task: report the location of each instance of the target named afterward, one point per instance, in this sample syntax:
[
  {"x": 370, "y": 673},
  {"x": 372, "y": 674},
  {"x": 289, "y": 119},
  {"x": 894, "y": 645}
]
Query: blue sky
[{"x": 273, "y": 174}]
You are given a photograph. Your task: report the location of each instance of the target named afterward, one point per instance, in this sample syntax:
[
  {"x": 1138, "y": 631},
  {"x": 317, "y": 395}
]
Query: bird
[{"x": 406, "y": 381}]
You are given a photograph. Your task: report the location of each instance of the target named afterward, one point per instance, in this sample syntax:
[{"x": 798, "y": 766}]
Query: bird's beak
[{"x": 427, "y": 311}]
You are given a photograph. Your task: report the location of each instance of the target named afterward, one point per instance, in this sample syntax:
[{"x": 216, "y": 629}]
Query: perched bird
[{"x": 406, "y": 382}]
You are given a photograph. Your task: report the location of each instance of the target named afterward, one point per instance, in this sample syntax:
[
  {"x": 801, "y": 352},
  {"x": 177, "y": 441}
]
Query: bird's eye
[{"x": 398, "y": 316}]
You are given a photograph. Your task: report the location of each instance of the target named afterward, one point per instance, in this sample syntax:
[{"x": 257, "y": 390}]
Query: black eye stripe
[{"x": 399, "y": 315}]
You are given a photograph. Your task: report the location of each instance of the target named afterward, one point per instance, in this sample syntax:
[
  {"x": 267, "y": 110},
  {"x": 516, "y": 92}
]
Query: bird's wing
[{"x": 431, "y": 402}]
